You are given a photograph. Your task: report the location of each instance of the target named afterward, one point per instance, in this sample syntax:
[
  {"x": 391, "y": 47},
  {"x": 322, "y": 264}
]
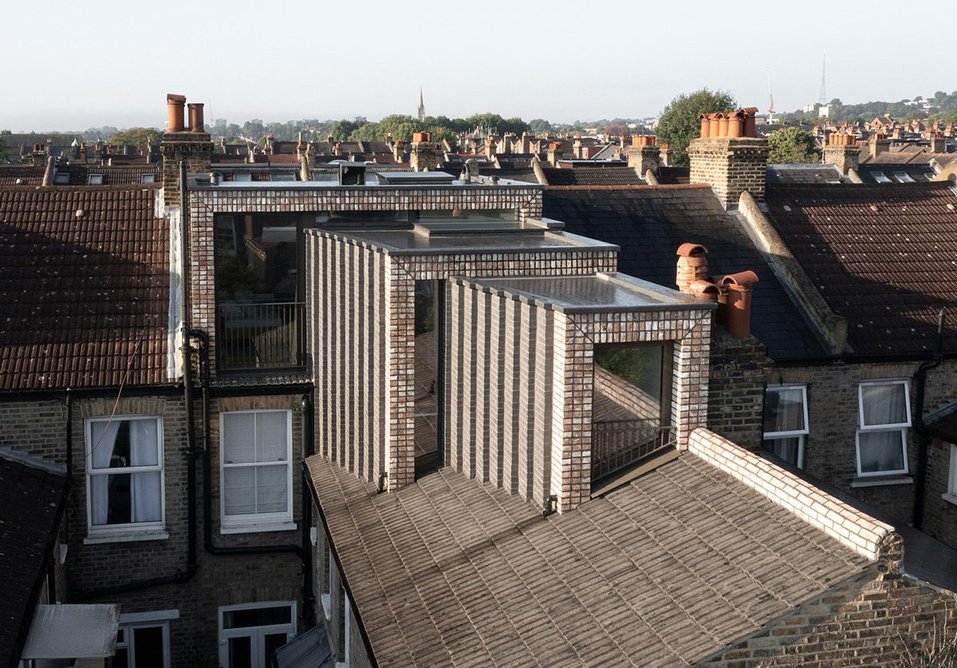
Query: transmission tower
[
  {"x": 771, "y": 104},
  {"x": 823, "y": 97}
]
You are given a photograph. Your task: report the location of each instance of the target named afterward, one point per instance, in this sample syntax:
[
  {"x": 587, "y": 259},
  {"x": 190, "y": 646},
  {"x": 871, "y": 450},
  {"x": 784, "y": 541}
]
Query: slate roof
[
  {"x": 83, "y": 301},
  {"x": 673, "y": 175},
  {"x": 666, "y": 570},
  {"x": 30, "y": 501},
  {"x": 112, "y": 174},
  {"x": 883, "y": 256},
  {"x": 906, "y": 173},
  {"x": 800, "y": 173},
  {"x": 650, "y": 223},
  {"x": 592, "y": 176}
]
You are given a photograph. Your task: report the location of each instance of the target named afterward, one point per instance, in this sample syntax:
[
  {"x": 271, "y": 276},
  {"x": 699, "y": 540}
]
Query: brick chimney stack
[
  {"x": 424, "y": 156},
  {"x": 192, "y": 145},
  {"x": 938, "y": 144},
  {"x": 879, "y": 143},
  {"x": 729, "y": 157},
  {"x": 842, "y": 151},
  {"x": 643, "y": 154}
]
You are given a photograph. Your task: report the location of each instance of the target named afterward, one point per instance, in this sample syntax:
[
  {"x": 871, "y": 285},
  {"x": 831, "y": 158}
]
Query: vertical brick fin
[{"x": 859, "y": 532}]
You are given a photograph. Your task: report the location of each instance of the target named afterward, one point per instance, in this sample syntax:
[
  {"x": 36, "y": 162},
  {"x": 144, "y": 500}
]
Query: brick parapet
[{"x": 859, "y": 532}]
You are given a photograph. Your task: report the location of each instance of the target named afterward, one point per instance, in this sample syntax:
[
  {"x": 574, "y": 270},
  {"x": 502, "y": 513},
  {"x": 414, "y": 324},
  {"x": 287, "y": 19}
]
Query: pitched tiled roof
[
  {"x": 84, "y": 300},
  {"x": 673, "y": 175},
  {"x": 16, "y": 175},
  {"x": 663, "y": 571},
  {"x": 881, "y": 255},
  {"x": 115, "y": 175},
  {"x": 30, "y": 500},
  {"x": 592, "y": 176},
  {"x": 650, "y": 223},
  {"x": 907, "y": 173}
]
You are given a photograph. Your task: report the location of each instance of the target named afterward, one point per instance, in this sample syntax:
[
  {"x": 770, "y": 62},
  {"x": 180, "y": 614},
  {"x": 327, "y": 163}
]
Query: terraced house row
[{"x": 412, "y": 417}]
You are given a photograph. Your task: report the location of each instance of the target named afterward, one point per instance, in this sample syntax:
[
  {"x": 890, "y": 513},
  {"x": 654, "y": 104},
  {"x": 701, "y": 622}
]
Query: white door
[{"x": 250, "y": 633}]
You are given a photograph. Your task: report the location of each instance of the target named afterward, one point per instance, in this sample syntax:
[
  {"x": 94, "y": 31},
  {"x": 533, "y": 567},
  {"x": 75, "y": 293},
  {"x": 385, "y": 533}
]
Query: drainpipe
[
  {"x": 208, "y": 543},
  {"x": 310, "y": 449},
  {"x": 923, "y": 438}
]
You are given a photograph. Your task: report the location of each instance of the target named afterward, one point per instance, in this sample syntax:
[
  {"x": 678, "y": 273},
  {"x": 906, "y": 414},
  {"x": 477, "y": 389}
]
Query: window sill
[
  {"x": 265, "y": 527},
  {"x": 326, "y": 600},
  {"x": 126, "y": 537},
  {"x": 949, "y": 498},
  {"x": 881, "y": 481}
]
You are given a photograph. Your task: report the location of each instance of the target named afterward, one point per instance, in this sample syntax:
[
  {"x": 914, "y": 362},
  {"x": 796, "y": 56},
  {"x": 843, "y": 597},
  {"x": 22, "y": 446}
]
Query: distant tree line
[{"x": 944, "y": 108}]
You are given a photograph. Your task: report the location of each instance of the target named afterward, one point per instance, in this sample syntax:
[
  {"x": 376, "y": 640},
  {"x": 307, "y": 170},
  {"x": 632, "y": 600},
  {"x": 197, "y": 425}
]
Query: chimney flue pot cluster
[
  {"x": 738, "y": 123},
  {"x": 731, "y": 292}
]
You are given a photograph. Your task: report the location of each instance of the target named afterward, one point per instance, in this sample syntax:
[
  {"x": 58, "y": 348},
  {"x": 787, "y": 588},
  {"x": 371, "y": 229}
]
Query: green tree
[
  {"x": 399, "y": 126},
  {"x": 135, "y": 136},
  {"x": 342, "y": 129},
  {"x": 680, "y": 123},
  {"x": 3, "y": 150},
  {"x": 365, "y": 132},
  {"x": 792, "y": 145}
]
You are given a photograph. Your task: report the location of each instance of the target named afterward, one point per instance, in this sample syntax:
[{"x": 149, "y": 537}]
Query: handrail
[
  {"x": 618, "y": 444},
  {"x": 260, "y": 335}
]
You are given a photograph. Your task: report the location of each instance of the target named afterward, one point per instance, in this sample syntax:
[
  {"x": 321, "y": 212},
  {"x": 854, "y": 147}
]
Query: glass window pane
[
  {"x": 271, "y": 488},
  {"x": 271, "y": 435},
  {"x": 784, "y": 410},
  {"x": 240, "y": 652},
  {"x": 786, "y": 449},
  {"x": 236, "y": 619},
  {"x": 239, "y": 491},
  {"x": 148, "y": 647},
  {"x": 143, "y": 441},
  {"x": 881, "y": 451},
  {"x": 121, "y": 659},
  {"x": 271, "y": 643},
  {"x": 147, "y": 495},
  {"x": 239, "y": 434},
  {"x": 884, "y": 404},
  {"x": 111, "y": 501}
]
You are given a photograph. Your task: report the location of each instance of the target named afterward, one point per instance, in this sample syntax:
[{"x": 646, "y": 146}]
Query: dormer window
[
  {"x": 62, "y": 179},
  {"x": 95, "y": 180},
  {"x": 148, "y": 178}
]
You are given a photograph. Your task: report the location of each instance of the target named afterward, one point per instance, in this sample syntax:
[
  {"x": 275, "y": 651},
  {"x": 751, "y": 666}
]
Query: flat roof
[
  {"x": 408, "y": 242},
  {"x": 598, "y": 292}
]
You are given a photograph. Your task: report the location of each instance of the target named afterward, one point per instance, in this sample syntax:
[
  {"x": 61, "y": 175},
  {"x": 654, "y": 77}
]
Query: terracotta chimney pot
[
  {"x": 174, "y": 112},
  {"x": 714, "y": 124},
  {"x": 735, "y": 125},
  {"x": 196, "y": 117},
  {"x": 736, "y": 306},
  {"x": 705, "y": 126}
]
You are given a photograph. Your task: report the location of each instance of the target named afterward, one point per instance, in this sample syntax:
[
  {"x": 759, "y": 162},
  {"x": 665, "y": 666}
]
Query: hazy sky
[{"x": 74, "y": 65}]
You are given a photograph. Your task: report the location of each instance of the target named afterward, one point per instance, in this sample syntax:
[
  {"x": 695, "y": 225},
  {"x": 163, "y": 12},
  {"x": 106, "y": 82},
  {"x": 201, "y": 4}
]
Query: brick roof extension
[
  {"x": 84, "y": 301},
  {"x": 650, "y": 223},
  {"x": 663, "y": 571},
  {"x": 30, "y": 500},
  {"x": 883, "y": 256}
]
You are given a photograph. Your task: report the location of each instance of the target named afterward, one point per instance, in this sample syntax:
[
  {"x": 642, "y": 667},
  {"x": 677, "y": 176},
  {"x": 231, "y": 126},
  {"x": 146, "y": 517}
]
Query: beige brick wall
[
  {"x": 521, "y": 379},
  {"x": 859, "y": 532},
  {"x": 362, "y": 344}
]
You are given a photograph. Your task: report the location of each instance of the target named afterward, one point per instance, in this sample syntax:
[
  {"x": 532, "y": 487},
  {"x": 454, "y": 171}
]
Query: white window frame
[
  {"x": 901, "y": 427},
  {"x": 148, "y": 178},
  {"x": 255, "y": 522},
  {"x": 130, "y": 622},
  {"x": 132, "y": 531},
  {"x": 800, "y": 434},
  {"x": 94, "y": 180},
  {"x": 226, "y": 634},
  {"x": 951, "y": 494}
]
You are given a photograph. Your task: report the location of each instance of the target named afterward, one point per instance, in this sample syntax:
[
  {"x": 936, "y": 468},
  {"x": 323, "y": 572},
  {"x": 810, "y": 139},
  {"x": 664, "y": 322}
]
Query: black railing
[
  {"x": 618, "y": 444},
  {"x": 260, "y": 335}
]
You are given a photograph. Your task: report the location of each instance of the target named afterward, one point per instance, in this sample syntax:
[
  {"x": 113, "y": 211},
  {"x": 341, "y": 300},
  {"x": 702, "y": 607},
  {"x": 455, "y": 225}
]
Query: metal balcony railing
[
  {"x": 617, "y": 444},
  {"x": 260, "y": 335}
]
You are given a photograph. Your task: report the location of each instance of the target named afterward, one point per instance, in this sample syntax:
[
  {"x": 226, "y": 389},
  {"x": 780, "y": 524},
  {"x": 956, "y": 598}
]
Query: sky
[{"x": 74, "y": 65}]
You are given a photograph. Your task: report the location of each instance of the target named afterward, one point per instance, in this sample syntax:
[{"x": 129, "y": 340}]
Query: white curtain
[
  {"x": 102, "y": 442},
  {"x": 883, "y": 404},
  {"x": 881, "y": 451},
  {"x": 785, "y": 410},
  {"x": 146, "y": 487}
]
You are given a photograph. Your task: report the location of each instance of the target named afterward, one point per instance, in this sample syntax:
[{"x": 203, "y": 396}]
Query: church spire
[{"x": 421, "y": 105}]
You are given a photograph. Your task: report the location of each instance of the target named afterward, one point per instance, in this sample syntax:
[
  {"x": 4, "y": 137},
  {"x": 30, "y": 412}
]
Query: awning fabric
[{"x": 82, "y": 631}]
